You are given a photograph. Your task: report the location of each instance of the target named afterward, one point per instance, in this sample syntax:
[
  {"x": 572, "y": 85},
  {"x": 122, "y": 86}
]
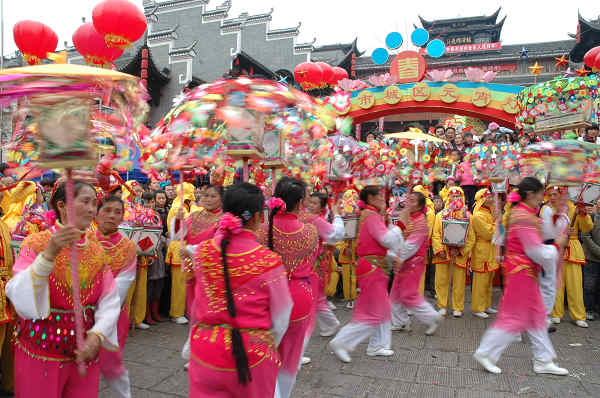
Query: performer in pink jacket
[
  {"x": 122, "y": 256},
  {"x": 242, "y": 305},
  {"x": 521, "y": 307},
  {"x": 329, "y": 234},
  {"x": 298, "y": 245},
  {"x": 46, "y": 357},
  {"x": 409, "y": 267},
  {"x": 372, "y": 311}
]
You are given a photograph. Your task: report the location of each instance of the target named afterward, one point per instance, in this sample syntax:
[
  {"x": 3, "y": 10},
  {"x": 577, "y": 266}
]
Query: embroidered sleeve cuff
[{"x": 41, "y": 267}]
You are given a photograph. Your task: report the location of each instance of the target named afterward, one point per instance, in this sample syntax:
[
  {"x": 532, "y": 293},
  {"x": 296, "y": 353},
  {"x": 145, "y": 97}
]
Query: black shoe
[{"x": 552, "y": 329}]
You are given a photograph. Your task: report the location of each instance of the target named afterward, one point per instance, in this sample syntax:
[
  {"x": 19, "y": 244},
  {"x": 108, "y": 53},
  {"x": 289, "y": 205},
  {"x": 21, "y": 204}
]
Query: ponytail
[{"x": 239, "y": 351}]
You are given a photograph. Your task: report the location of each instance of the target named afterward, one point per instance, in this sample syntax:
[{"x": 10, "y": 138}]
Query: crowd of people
[{"x": 253, "y": 273}]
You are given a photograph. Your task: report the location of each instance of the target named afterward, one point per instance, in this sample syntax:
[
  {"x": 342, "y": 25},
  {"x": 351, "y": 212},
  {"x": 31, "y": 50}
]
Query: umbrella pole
[
  {"x": 245, "y": 170},
  {"x": 77, "y": 308}
]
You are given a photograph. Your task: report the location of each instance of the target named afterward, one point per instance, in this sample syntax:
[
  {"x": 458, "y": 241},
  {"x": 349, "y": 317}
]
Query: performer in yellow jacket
[
  {"x": 572, "y": 280},
  {"x": 7, "y": 315},
  {"x": 483, "y": 257},
  {"x": 446, "y": 258},
  {"x": 430, "y": 216},
  {"x": 175, "y": 225}
]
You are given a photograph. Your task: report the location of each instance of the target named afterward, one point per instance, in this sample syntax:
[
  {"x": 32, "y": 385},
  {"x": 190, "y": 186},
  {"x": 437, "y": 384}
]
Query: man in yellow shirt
[
  {"x": 572, "y": 280},
  {"x": 483, "y": 257},
  {"x": 448, "y": 258}
]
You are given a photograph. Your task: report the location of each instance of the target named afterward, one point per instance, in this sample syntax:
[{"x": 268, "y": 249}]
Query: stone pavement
[{"x": 437, "y": 366}]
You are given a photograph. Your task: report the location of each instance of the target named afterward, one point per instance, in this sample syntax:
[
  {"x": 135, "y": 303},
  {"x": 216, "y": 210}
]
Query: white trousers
[
  {"x": 495, "y": 341},
  {"x": 121, "y": 385},
  {"x": 547, "y": 283},
  {"x": 327, "y": 321},
  {"x": 424, "y": 313},
  {"x": 285, "y": 382},
  {"x": 351, "y": 335}
]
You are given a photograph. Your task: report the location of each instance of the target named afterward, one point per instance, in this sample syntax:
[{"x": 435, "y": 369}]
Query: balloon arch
[{"x": 487, "y": 101}]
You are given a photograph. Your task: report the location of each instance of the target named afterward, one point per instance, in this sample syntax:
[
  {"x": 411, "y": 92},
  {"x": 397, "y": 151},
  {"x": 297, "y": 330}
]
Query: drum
[
  {"x": 454, "y": 232},
  {"x": 573, "y": 193},
  {"x": 146, "y": 240},
  {"x": 590, "y": 192},
  {"x": 350, "y": 228},
  {"x": 499, "y": 187},
  {"x": 128, "y": 231},
  {"x": 15, "y": 244}
]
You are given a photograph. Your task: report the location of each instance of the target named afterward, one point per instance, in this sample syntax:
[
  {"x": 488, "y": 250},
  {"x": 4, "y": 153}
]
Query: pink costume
[
  {"x": 199, "y": 226},
  {"x": 263, "y": 305},
  {"x": 121, "y": 255},
  {"x": 298, "y": 245},
  {"x": 405, "y": 293},
  {"x": 372, "y": 311},
  {"x": 328, "y": 234},
  {"x": 521, "y": 307},
  {"x": 45, "y": 343}
]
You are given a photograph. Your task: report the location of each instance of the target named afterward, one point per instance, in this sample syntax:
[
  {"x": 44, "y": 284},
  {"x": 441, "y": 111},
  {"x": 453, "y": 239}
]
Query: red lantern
[
  {"x": 119, "y": 21},
  {"x": 338, "y": 74},
  {"x": 308, "y": 75},
  {"x": 590, "y": 57},
  {"x": 596, "y": 62},
  {"x": 327, "y": 74},
  {"x": 92, "y": 46},
  {"x": 35, "y": 40}
]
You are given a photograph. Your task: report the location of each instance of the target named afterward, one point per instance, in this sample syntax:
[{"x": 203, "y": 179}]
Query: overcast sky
[{"x": 339, "y": 21}]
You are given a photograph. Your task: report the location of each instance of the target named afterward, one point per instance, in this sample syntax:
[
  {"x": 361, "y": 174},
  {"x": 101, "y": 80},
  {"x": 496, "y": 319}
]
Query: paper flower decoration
[{"x": 478, "y": 75}]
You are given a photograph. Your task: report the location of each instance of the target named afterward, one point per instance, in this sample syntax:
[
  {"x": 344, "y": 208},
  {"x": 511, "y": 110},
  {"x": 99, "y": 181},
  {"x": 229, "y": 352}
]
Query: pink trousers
[
  {"x": 210, "y": 383},
  {"x": 111, "y": 362},
  {"x": 49, "y": 379}
]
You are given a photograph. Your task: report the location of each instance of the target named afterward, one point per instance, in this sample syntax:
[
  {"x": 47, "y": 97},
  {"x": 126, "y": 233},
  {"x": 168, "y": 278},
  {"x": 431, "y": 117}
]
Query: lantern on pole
[
  {"x": 91, "y": 45},
  {"x": 35, "y": 40},
  {"x": 120, "y": 22}
]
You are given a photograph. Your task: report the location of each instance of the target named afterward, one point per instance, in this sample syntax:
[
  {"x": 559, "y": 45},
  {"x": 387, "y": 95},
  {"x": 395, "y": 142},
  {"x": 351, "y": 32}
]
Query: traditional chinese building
[
  {"x": 477, "y": 42},
  {"x": 587, "y": 37},
  {"x": 193, "y": 41}
]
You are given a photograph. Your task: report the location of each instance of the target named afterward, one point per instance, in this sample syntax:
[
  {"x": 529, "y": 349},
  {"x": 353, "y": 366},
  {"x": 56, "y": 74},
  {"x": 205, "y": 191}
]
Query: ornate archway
[{"x": 487, "y": 101}]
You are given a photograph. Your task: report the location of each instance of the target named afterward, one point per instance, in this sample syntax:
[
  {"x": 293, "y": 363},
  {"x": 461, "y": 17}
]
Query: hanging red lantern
[
  {"x": 327, "y": 74},
  {"x": 35, "y": 40},
  {"x": 596, "y": 62},
  {"x": 590, "y": 57},
  {"x": 91, "y": 45},
  {"x": 308, "y": 75},
  {"x": 338, "y": 74},
  {"x": 119, "y": 21}
]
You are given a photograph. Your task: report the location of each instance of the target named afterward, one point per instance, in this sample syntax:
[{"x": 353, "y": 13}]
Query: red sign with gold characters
[{"x": 408, "y": 67}]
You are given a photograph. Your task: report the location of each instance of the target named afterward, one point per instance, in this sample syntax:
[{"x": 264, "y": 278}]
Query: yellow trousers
[
  {"x": 481, "y": 294},
  {"x": 140, "y": 295},
  {"x": 459, "y": 278},
  {"x": 349, "y": 281},
  {"x": 178, "y": 287},
  {"x": 7, "y": 362},
  {"x": 572, "y": 281},
  {"x": 422, "y": 284}
]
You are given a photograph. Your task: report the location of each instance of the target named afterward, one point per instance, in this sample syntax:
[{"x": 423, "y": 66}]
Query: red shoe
[
  {"x": 155, "y": 314},
  {"x": 149, "y": 319}
]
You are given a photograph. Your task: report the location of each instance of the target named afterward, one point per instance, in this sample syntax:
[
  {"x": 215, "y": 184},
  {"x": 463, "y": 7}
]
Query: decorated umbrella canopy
[
  {"x": 494, "y": 163},
  {"x": 563, "y": 162},
  {"x": 417, "y": 135}
]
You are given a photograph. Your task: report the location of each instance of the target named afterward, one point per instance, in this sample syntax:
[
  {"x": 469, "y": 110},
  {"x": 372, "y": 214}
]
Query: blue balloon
[
  {"x": 393, "y": 40},
  {"x": 380, "y": 56},
  {"x": 419, "y": 37},
  {"x": 436, "y": 48}
]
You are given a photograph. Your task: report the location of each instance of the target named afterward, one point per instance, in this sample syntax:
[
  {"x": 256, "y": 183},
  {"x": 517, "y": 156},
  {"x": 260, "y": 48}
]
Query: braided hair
[
  {"x": 291, "y": 191},
  {"x": 243, "y": 200}
]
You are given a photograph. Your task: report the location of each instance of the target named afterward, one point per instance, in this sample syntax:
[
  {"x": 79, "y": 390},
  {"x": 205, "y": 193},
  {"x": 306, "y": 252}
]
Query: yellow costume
[
  {"x": 178, "y": 279},
  {"x": 430, "y": 216},
  {"x": 7, "y": 315},
  {"x": 483, "y": 258},
  {"x": 572, "y": 279},
  {"x": 347, "y": 248},
  {"x": 15, "y": 200},
  {"x": 443, "y": 264}
]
